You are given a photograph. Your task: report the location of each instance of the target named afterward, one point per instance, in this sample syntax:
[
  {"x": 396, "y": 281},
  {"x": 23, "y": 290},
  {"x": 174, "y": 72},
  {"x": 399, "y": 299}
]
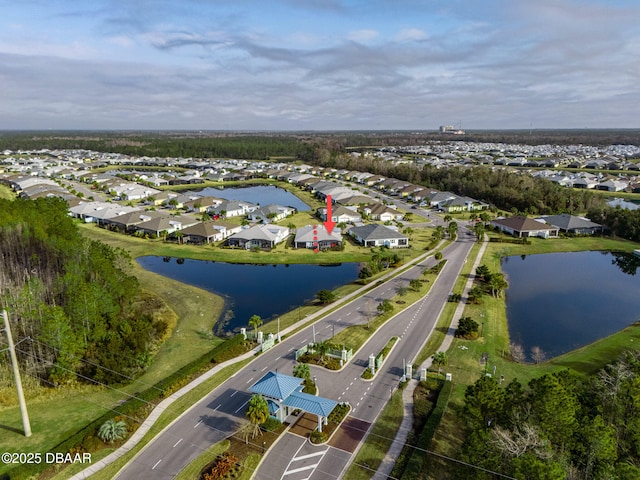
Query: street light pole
[{"x": 16, "y": 374}]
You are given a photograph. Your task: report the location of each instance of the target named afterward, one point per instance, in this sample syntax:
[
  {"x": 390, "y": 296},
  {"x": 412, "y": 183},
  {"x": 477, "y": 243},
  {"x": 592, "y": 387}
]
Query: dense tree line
[
  {"x": 561, "y": 426},
  {"x": 622, "y": 222},
  {"x": 72, "y": 297},
  {"x": 166, "y": 144}
]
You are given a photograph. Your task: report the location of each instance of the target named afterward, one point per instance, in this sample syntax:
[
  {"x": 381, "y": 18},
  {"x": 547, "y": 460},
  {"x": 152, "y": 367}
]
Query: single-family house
[
  {"x": 340, "y": 214},
  {"x": 376, "y": 235},
  {"x": 232, "y": 208},
  {"x": 270, "y": 213},
  {"x": 573, "y": 224},
  {"x": 613, "y": 185},
  {"x": 203, "y": 232},
  {"x": 316, "y": 236},
  {"x": 166, "y": 224},
  {"x": 264, "y": 236},
  {"x": 381, "y": 212},
  {"x": 127, "y": 222},
  {"x": 98, "y": 212},
  {"x": 201, "y": 204},
  {"x": 520, "y": 226}
]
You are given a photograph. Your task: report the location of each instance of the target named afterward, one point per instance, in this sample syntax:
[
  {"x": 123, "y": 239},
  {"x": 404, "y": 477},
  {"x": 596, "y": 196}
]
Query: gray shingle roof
[
  {"x": 569, "y": 222},
  {"x": 374, "y": 231}
]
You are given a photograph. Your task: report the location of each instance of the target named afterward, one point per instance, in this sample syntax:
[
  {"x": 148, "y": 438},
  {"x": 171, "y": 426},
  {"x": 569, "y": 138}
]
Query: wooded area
[
  {"x": 84, "y": 316},
  {"x": 561, "y": 426}
]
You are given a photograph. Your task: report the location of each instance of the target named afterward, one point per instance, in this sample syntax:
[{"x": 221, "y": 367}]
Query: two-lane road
[{"x": 219, "y": 414}]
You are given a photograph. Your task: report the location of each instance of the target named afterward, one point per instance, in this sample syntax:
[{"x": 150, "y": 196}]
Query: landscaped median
[{"x": 379, "y": 359}]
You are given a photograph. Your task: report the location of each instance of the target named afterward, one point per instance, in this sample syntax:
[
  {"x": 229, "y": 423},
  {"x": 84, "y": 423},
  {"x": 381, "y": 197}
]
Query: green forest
[
  {"x": 82, "y": 314},
  {"x": 560, "y": 426}
]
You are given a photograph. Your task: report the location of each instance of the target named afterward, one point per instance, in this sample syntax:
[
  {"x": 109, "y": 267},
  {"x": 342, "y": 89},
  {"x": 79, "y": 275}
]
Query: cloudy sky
[{"x": 319, "y": 64}]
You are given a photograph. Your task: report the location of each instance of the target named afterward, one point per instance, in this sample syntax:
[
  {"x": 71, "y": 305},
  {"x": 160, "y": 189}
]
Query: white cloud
[
  {"x": 411, "y": 35},
  {"x": 362, "y": 36}
]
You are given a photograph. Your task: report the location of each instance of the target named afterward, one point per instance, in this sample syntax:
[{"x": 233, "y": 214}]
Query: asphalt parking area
[{"x": 350, "y": 434}]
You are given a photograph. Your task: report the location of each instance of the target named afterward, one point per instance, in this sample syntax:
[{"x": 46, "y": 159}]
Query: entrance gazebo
[{"x": 284, "y": 395}]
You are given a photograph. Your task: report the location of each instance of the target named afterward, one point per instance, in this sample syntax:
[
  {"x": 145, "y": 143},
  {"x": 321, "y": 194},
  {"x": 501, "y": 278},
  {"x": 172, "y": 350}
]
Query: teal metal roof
[
  {"x": 276, "y": 385},
  {"x": 310, "y": 403}
]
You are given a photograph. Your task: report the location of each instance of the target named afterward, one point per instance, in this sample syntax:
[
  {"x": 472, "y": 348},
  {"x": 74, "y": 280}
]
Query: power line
[
  {"x": 130, "y": 396},
  {"x": 88, "y": 362}
]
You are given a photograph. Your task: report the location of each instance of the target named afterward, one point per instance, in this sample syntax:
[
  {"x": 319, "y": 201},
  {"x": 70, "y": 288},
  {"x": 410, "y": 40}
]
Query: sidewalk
[
  {"x": 389, "y": 461},
  {"x": 155, "y": 414},
  {"x": 162, "y": 406}
]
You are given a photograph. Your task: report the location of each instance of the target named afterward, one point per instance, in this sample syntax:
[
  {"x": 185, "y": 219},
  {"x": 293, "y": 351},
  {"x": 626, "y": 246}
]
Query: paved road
[
  {"x": 219, "y": 413},
  {"x": 413, "y": 326}
]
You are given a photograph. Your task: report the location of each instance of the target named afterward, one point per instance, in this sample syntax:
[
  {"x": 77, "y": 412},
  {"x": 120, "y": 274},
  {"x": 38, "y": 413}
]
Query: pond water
[
  {"x": 260, "y": 194},
  {"x": 248, "y": 289},
  {"x": 562, "y": 301}
]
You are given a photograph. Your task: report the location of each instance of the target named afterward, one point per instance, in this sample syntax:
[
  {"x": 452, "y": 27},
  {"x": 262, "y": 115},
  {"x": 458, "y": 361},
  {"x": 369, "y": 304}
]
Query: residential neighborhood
[{"x": 115, "y": 192}]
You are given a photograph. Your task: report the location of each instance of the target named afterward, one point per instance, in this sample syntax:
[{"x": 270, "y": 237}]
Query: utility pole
[{"x": 16, "y": 374}]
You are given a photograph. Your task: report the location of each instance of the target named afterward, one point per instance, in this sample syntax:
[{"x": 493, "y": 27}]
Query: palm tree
[
  {"x": 302, "y": 370},
  {"x": 255, "y": 321},
  {"x": 439, "y": 359},
  {"x": 257, "y": 413},
  {"x": 498, "y": 284},
  {"x": 408, "y": 231},
  {"x": 110, "y": 431},
  {"x": 452, "y": 229},
  {"x": 322, "y": 348},
  {"x": 478, "y": 229},
  {"x": 438, "y": 233}
]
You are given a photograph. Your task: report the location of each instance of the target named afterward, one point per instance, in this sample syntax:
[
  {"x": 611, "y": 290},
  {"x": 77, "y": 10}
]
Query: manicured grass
[
  {"x": 377, "y": 443},
  {"x": 192, "y": 471}
]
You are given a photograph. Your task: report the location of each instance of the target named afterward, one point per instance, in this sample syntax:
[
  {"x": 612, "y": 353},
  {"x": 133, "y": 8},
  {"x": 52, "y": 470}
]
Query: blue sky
[{"x": 319, "y": 64}]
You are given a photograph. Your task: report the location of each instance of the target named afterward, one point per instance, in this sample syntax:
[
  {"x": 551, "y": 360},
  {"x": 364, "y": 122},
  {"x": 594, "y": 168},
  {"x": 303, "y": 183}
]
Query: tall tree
[{"x": 257, "y": 413}]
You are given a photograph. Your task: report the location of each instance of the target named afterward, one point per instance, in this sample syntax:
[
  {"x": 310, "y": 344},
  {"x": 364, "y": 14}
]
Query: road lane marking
[
  {"x": 304, "y": 457},
  {"x": 241, "y": 406},
  {"x": 250, "y": 380},
  {"x": 234, "y": 393},
  {"x": 217, "y": 407},
  {"x": 157, "y": 463},
  {"x": 197, "y": 424},
  {"x": 264, "y": 368},
  {"x": 301, "y": 469},
  {"x": 176, "y": 444}
]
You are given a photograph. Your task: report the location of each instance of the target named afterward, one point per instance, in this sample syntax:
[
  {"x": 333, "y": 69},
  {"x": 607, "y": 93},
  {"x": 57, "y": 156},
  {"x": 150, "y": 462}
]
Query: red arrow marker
[{"x": 329, "y": 224}]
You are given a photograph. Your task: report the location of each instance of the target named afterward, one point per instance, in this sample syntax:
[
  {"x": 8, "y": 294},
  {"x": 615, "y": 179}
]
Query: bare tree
[
  {"x": 522, "y": 439},
  {"x": 537, "y": 354},
  {"x": 517, "y": 352}
]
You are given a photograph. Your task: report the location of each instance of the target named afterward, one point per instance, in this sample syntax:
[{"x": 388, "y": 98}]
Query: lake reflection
[
  {"x": 562, "y": 301},
  {"x": 265, "y": 290}
]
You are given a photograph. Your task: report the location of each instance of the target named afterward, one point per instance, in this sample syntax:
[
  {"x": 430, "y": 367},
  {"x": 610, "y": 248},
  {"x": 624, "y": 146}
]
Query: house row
[
  {"x": 351, "y": 214},
  {"x": 267, "y": 236}
]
